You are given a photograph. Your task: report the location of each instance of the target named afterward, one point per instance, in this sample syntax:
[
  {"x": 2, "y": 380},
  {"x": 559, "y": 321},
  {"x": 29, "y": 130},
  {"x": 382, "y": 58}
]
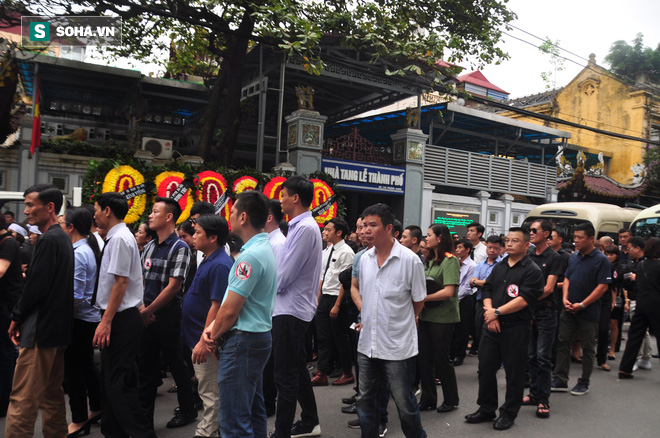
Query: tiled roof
[
  {"x": 534, "y": 99},
  {"x": 478, "y": 78},
  {"x": 601, "y": 185}
]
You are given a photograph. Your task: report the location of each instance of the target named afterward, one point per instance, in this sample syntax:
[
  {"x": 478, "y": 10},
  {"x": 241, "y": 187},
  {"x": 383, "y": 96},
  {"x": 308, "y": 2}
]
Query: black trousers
[
  {"x": 478, "y": 323},
  {"x": 270, "y": 389},
  {"x": 164, "y": 334},
  {"x": 81, "y": 373},
  {"x": 508, "y": 347},
  {"x": 291, "y": 376},
  {"x": 122, "y": 413},
  {"x": 332, "y": 332},
  {"x": 434, "y": 342},
  {"x": 647, "y": 315},
  {"x": 463, "y": 328}
]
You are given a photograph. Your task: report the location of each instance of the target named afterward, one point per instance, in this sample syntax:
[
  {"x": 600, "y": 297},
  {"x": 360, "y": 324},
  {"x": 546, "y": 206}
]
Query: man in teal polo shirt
[{"x": 242, "y": 326}]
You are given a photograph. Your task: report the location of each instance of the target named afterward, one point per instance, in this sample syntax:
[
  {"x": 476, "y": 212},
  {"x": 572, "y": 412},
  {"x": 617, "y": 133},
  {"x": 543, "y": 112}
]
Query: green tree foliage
[
  {"x": 212, "y": 37},
  {"x": 557, "y": 62},
  {"x": 629, "y": 61}
]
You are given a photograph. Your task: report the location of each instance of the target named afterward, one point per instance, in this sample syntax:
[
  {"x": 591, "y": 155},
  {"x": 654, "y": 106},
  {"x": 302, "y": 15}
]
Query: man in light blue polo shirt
[{"x": 243, "y": 323}]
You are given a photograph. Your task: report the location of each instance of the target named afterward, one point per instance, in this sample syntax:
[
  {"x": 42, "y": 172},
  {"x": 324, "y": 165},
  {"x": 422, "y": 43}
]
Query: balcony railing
[{"x": 451, "y": 167}]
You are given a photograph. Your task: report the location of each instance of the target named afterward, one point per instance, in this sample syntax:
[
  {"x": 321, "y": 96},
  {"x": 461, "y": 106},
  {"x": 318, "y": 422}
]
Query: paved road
[{"x": 611, "y": 408}]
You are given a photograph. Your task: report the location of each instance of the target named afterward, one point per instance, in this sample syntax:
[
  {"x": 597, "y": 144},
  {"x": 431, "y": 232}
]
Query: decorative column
[
  {"x": 305, "y": 140},
  {"x": 28, "y": 165},
  {"x": 508, "y": 199},
  {"x": 427, "y": 207},
  {"x": 483, "y": 212},
  {"x": 409, "y": 144}
]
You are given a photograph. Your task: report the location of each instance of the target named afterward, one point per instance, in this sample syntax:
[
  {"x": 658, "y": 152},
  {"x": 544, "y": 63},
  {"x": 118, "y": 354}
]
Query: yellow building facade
[{"x": 597, "y": 99}]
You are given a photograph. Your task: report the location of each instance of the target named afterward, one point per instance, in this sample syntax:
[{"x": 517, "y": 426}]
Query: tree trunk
[{"x": 210, "y": 116}]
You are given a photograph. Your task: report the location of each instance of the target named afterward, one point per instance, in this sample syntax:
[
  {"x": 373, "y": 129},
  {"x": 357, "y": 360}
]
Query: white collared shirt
[
  {"x": 342, "y": 258},
  {"x": 480, "y": 252},
  {"x": 120, "y": 257},
  {"x": 276, "y": 239},
  {"x": 388, "y": 317}
]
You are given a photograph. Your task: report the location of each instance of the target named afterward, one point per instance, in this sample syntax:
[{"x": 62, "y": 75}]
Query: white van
[
  {"x": 647, "y": 223},
  {"x": 607, "y": 219}
]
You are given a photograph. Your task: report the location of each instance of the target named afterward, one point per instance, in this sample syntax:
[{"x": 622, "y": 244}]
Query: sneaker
[
  {"x": 299, "y": 430},
  {"x": 558, "y": 386},
  {"x": 643, "y": 364},
  {"x": 580, "y": 389},
  {"x": 382, "y": 430},
  {"x": 354, "y": 424}
]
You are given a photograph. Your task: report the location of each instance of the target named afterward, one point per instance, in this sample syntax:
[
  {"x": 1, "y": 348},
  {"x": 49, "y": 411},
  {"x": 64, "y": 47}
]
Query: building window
[
  {"x": 515, "y": 220},
  {"x": 59, "y": 181},
  {"x": 3, "y": 179},
  {"x": 655, "y": 133},
  {"x": 493, "y": 218}
]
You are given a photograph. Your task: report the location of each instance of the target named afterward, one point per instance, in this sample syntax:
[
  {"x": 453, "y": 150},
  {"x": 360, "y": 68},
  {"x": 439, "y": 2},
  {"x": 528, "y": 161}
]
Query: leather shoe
[
  {"x": 423, "y": 408},
  {"x": 345, "y": 379},
  {"x": 480, "y": 417},
  {"x": 502, "y": 423},
  {"x": 352, "y": 409},
  {"x": 446, "y": 407},
  {"x": 181, "y": 420},
  {"x": 320, "y": 379},
  {"x": 458, "y": 361},
  {"x": 349, "y": 400}
]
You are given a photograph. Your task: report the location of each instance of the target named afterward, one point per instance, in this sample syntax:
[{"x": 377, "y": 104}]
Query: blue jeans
[
  {"x": 540, "y": 352},
  {"x": 399, "y": 376},
  {"x": 240, "y": 385}
]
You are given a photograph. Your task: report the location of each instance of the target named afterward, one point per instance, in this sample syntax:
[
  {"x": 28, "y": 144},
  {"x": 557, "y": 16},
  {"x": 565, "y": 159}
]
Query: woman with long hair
[
  {"x": 82, "y": 375},
  {"x": 437, "y": 321},
  {"x": 608, "y": 316}
]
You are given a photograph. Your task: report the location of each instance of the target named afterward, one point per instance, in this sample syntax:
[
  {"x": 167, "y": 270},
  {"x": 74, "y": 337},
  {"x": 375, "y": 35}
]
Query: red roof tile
[{"x": 478, "y": 78}]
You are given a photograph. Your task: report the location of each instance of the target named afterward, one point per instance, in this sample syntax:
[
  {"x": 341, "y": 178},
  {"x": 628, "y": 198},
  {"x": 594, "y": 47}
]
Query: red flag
[{"x": 36, "y": 122}]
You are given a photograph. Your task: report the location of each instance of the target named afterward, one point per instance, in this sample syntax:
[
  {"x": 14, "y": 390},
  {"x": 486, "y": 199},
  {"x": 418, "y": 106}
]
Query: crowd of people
[{"x": 238, "y": 310}]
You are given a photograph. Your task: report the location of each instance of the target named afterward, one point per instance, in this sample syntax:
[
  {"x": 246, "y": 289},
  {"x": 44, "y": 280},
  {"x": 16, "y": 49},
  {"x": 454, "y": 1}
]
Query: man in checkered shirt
[{"x": 165, "y": 263}]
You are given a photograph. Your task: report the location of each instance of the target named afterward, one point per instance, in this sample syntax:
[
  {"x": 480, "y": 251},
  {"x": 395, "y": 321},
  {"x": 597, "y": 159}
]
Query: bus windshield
[{"x": 646, "y": 227}]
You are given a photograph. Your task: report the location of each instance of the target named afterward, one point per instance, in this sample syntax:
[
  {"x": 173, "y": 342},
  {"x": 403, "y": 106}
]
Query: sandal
[
  {"x": 611, "y": 357},
  {"x": 576, "y": 359},
  {"x": 543, "y": 410},
  {"x": 530, "y": 400},
  {"x": 605, "y": 367}
]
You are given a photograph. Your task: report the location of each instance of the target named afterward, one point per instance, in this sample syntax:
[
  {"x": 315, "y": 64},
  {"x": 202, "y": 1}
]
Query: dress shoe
[
  {"x": 423, "y": 408},
  {"x": 181, "y": 420},
  {"x": 502, "y": 423},
  {"x": 82, "y": 431},
  {"x": 446, "y": 407},
  {"x": 352, "y": 409},
  {"x": 320, "y": 379},
  {"x": 345, "y": 379},
  {"x": 335, "y": 373},
  {"x": 480, "y": 417},
  {"x": 458, "y": 361},
  {"x": 349, "y": 400}
]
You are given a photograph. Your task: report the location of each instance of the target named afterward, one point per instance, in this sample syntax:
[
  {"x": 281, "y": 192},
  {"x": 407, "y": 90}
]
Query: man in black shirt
[
  {"x": 545, "y": 319},
  {"x": 42, "y": 322},
  {"x": 509, "y": 295}
]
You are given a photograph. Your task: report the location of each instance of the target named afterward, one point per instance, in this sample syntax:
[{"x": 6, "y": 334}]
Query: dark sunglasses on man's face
[{"x": 533, "y": 230}]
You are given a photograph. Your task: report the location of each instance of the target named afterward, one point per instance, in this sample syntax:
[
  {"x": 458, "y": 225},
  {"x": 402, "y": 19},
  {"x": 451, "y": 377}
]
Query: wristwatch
[
  {"x": 583, "y": 306},
  {"x": 497, "y": 312}
]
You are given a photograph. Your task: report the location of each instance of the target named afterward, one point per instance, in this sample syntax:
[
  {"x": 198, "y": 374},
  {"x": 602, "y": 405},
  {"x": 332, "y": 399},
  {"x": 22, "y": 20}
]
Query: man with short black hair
[
  {"x": 9, "y": 217},
  {"x": 201, "y": 208},
  {"x": 474, "y": 233},
  {"x": 509, "y": 295},
  {"x": 42, "y": 322},
  {"x": 391, "y": 282},
  {"x": 243, "y": 322},
  {"x": 165, "y": 263},
  {"x": 463, "y": 329},
  {"x": 119, "y": 295},
  {"x": 411, "y": 238},
  {"x": 200, "y": 305},
  {"x": 275, "y": 236},
  {"x": 585, "y": 281},
  {"x": 331, "y": 312},
  {"x": 397, "y": 229},
  {"x": 624, "y": 237},
  {"x": 544, "y": 324},
  {"x": 298, "y": 273}
]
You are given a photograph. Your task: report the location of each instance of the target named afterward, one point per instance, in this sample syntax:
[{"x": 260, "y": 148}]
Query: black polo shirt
[
  {"x": 585, "y": 273},
  {"x": 505, "y": 283},
  {"x": 550, "y": 263}
]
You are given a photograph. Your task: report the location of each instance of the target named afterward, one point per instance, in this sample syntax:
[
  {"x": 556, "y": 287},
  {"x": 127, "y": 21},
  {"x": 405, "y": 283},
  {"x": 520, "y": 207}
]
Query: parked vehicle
[
  {"x": 607, "y": 219},
  {"x": 647, "y": 223}
]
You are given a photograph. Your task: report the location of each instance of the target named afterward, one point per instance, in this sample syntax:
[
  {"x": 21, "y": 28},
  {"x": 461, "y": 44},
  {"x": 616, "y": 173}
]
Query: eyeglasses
[{"x": 534, "y": 230}]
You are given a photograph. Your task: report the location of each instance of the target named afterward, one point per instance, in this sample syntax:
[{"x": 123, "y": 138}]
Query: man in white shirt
[
  {"x": 392, "y": 289},
  {"x": 331, "y": 317},
  {"x": 275, "y": 235},
  {"x": 474, "y": 233},
  {"x": 464, "y": 328},
  {"x": 119, "y": 295}
]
